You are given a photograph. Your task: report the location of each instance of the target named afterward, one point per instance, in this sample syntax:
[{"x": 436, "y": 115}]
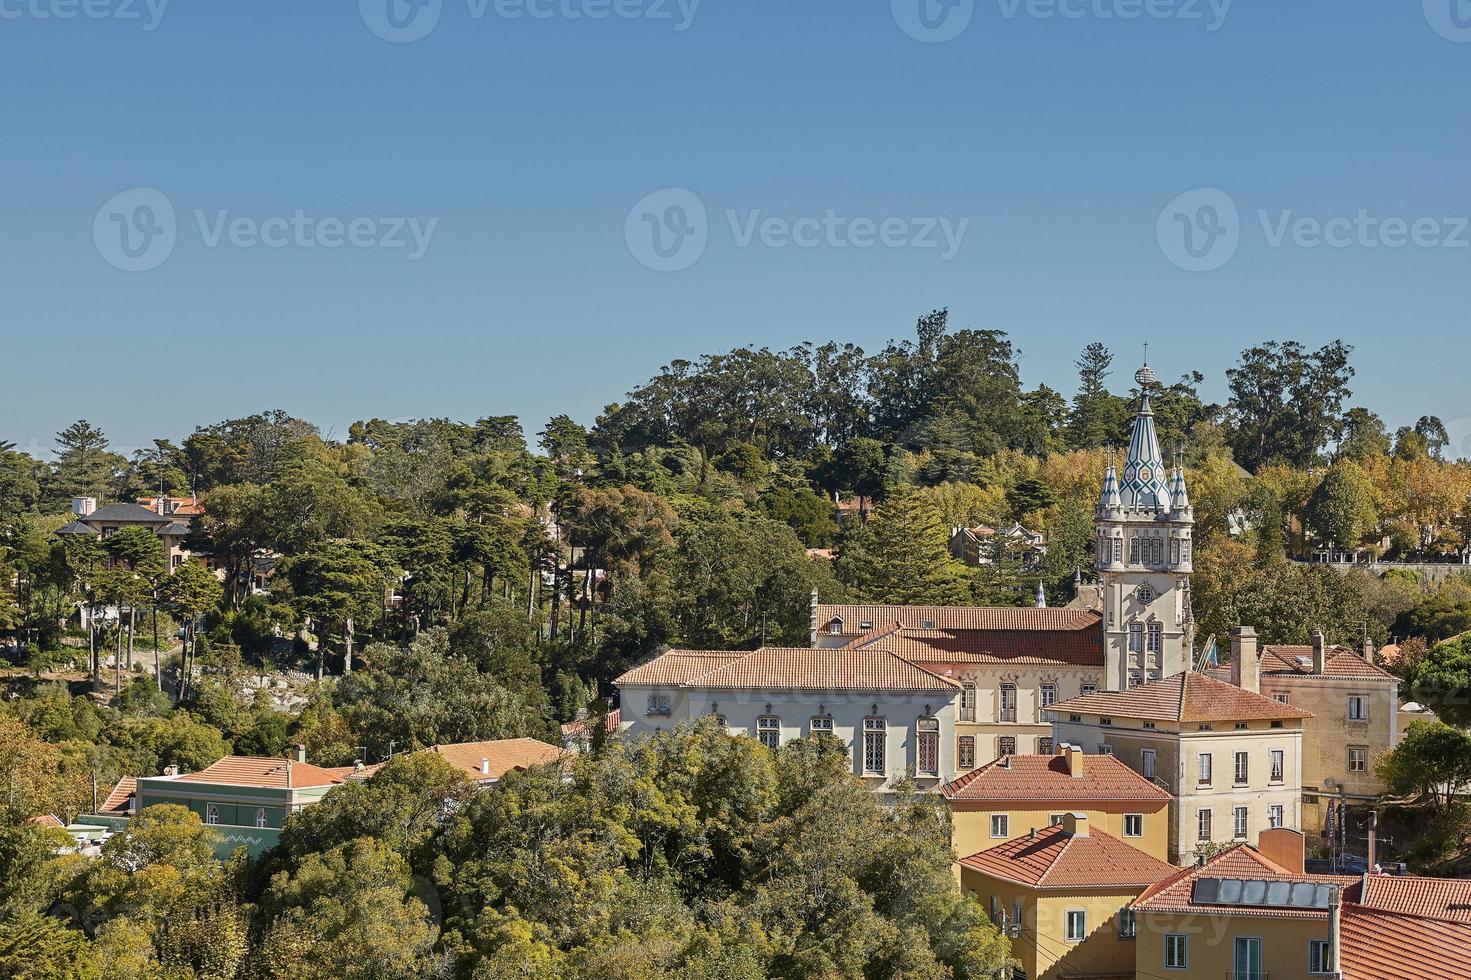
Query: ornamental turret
[{"x": 1143, "y": 559}]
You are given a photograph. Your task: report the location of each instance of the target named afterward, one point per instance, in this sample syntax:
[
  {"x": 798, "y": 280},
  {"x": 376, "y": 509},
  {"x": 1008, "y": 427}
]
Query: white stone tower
[{"x": 1144, "y": 523}]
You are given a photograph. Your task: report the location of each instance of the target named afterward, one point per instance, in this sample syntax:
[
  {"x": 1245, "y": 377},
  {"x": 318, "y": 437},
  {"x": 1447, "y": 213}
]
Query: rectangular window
[
  {"x": 875, "y": 746},
  {"x": 1006, "y": 745},
  {"x": 1077, "y": 925},
  {"x": 1238, "y": 823},
  {"x": 211, "y": 813},
  {"x": 260, "y": 816},
  {"x": 1320, "y": 956},
  {"x": 1205, "y": 769},
  {"x": 1118, "y": 550},
  {"x": 1136, "y": 637},
  {"x": 1242, "y": 769},
  {"x": 1177, "y": 952},
  {"x": 1202, "y": 825},
  {"x": 1279, "y": 766},
  {"x": 1358, "y": 759},
  {"x": 658, "y": 704},
  {"x": 1280, "y": 698},
  {"x": 965, "y": 752},
  {"x": 1008, "y": 702},
  {"x": 821, "y": 725},
  {"x": 1358, "y": 707},
  {"x": 968, "y": 702},
  {"x": 1156, "y": 637},
  {"x": 1146, "y": 763},
  {"x": 1088, "y": 689},
  {"x": 1174, "y": 551},
  {"x": 1133, "y": 551},
  {"x": 768, "y": 731},
  {"x": 1105, "y": 749},
  {"x": 1128, "y": 925},
  {"x": 1274, "y": 816},
  {"x": 998, "y": 825},
  {"x": 1133, "y": 825},
  {"x": 927, "y": 747},
  {"x": 1049, "y": 695},
  {"x": 1044, "y": 746}
]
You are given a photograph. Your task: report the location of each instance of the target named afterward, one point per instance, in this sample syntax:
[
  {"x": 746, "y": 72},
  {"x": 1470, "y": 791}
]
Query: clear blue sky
[{"x": 529, "y": 139}]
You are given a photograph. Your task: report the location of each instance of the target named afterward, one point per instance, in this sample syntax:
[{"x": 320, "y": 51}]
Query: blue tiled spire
[{"x": 1146, "y": 483}]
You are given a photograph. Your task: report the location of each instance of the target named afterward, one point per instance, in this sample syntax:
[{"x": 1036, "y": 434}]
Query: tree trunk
[
  {"x": 347, "y": 634},
  {"x": 92, "y": 648},
  {"x": 157, "y": 670},
  {"x": 117, "y": 659},
  {"x": 132, "y": 628}
]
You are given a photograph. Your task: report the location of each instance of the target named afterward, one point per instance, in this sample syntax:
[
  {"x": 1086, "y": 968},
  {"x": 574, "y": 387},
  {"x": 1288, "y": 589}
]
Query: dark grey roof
[
  {"x": 76, "y": 527},
  {"x": 127, "y": 512},
  {"x": 176, "y": 527}
]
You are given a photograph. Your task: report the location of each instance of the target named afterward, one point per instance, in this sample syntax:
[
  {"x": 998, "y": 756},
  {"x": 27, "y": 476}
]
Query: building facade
[
  {"x": 897, "y": 719},
  {"x": 1232, "y": 759}
]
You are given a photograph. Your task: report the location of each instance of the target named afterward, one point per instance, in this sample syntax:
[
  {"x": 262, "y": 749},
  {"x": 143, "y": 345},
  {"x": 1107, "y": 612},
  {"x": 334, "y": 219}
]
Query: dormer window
[
  {"x": 835, "y": 626},
  {"x": 866, "y": 625}
]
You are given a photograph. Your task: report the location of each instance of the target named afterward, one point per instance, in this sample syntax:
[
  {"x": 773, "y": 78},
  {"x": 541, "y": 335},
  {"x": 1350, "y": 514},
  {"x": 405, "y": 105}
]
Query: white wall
[{"x": 797, "y": 708}]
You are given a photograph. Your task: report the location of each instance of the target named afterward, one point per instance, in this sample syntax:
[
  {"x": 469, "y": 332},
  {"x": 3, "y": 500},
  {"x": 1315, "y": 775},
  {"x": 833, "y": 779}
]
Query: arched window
[{"x": 927, "y": 746}]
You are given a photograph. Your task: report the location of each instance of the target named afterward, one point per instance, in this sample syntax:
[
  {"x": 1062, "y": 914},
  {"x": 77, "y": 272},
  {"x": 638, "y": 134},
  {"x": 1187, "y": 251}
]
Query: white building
[{"x": 897, "y": 718}]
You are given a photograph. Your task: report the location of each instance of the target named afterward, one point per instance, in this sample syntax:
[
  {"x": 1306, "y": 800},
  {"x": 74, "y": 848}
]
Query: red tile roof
[
  {"x": 1379, "y": 945},
  {"x": 489, "y": 761},
  {"x": 957, "y": 617},
  {"x": 1435, "y": 898},
  {"x": 1240, "y": 861},
  {"x": 1053, "y": 858},
  {"x": 580, "y": 729},
  {"x": 45, "y": 820},
  {"x": 678, "y": 666},
  {"x": 789, "y": 668},
  {"x": 1046, "y": 778},
  {"x": 1339, "y": 661},
  {"x": 116, "y": 803},
  {"x": 266, "y": 773},
  {"x": 1185, "y": 697}
]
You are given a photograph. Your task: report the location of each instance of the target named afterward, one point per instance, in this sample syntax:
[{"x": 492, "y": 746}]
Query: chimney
[
  {"x": 485, "y": 767},
  {"x": 1245, "y": 664},
  {"x": 812, "y": 641},
  {"x": 1283, "y": 846},
  {"x": 1320, "y": 652},
  {"x": 1075, "y": 824},
  {"x": 1073, "y": 756},
  {"x": 1370, "y": 653},
  {"x": 1335, "y": 927},
  {"x": 170, "y": 770},
  {"x": 84, "y": 506},
  {"x": 298, "y": 753},
  {"x": 288, "y": 773}
]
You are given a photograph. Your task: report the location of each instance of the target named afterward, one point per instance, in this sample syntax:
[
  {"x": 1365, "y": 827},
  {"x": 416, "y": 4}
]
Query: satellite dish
[{"x": 1328, "y": 784}]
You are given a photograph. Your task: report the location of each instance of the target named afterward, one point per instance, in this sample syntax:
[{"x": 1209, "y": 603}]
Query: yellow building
[
  {"x": 1230, "y": 757},
  {"x": 1062, "y": 894},
  {"x": 1013, "y": 796}
]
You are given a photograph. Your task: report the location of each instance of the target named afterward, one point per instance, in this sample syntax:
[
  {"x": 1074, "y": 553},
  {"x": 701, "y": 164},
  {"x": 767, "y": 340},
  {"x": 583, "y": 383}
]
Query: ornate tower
[{"x": 1144, "y": 522}]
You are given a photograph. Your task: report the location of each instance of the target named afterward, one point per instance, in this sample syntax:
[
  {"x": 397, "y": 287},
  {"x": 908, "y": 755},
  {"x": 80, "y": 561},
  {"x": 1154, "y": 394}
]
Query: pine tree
[{"x": 901, "y": 557}]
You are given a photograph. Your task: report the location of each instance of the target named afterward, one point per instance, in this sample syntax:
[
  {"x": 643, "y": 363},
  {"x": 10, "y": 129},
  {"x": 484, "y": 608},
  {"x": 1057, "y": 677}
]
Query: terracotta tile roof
[
  {"x": 1434, "y": 898},
  {"x": 1185, "y": 697},
  {"x": 1379, "y": 945},
  {"x": 266, "y": 773},
  {"x": 489, "y": 761},
  {"x": 1046, "y": 777},
  {"x": 805, "y": 669},
  {"x": 1175, "y": 893},
  {"x": 116, "y": 803},
  {"x": 580, "y": 729},
  {"x": 1076, "y": 648},
  {"x": 957, "y": 617},
  {"x": 1056, "y": 859},
  {"x": 45, "y": 820},
  {"x": 678, "y": 666},
  {"x": 1338, "y": 662},
  {"x": 354, "y": 774}
]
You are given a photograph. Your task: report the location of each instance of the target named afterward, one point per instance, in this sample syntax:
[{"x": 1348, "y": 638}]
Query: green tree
[
  {"x": 1433, "y": 760},
  {"x": 901, "y": 556},
  {"x": 1341, "y": 510},
  {"x": 340, "y": 587},
  {"x": 1286, "y": 402},
  {"x": 190, "y": 591},
  {"x": 84, "y": 467},
  {"x": 1442, "y": 680}
]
